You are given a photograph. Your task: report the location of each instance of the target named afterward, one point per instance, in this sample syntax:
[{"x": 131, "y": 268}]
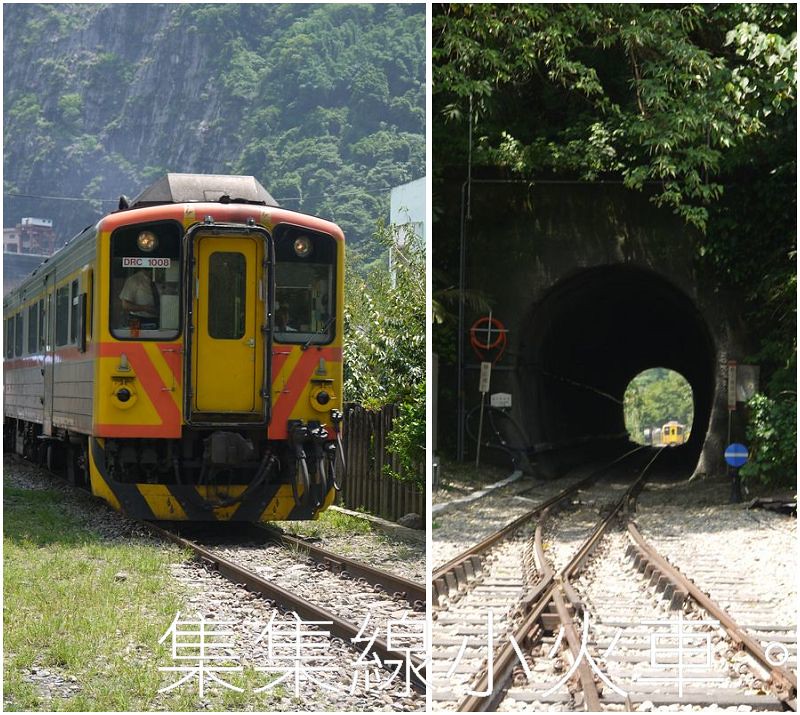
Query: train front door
[{"x": 228, "y": 365}]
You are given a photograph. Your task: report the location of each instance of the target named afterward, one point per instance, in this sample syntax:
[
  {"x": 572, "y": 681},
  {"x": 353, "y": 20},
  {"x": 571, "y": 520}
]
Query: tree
[
  {"x": 648, "y": 93},
  {"x": 385, "y": 343}
]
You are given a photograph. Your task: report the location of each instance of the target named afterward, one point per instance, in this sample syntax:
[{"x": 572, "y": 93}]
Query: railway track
[
  {"x": 241, "y": 568},
  {"x": 558, "y": 623},
  {"x": 455, "y": 575},
  {"x": 397, "y": 587}
]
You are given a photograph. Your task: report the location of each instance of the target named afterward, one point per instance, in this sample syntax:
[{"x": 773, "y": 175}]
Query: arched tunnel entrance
[{"x": 583, "y": 343}]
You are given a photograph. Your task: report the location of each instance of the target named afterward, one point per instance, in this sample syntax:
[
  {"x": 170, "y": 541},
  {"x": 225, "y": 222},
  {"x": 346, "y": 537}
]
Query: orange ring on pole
[{"x": 498, "y": 343}]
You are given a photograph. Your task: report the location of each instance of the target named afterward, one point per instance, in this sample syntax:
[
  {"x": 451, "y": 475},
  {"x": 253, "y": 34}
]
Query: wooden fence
[{"x": 366, "y": 485}]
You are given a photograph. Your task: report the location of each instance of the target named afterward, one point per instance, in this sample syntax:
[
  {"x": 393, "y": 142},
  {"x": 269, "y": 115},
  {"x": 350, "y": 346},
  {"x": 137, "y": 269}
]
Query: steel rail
[
  {"x": 305, "y": 609},
  {"x": 784, "y": 680},
  {"x": 396, "y": 586},
  {"x": 591, "y": 695},
  {"x": 545, "y": 592}
]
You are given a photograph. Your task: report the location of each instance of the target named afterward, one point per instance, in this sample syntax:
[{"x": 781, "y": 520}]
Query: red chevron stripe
[
  {"x": 301, "y": 374},
  {"x": 153, "y": 385}
]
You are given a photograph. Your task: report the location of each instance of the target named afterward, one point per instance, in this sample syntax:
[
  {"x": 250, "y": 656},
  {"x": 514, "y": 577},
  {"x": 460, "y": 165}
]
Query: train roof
[{"x": 186, "y": 188}]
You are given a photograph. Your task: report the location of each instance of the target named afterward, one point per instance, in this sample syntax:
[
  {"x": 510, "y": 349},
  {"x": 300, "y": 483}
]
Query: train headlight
[
  {"x": 303, "y": 247},
  {"x": 322, "y": 396},
  {"x": 147, "y": 241},
  {"x": 123, "y": 393}
]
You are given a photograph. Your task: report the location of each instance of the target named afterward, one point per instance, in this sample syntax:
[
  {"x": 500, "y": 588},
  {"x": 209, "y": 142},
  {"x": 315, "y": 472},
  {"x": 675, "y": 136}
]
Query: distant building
[
  {"x": 25, "y": 247},
  {"x": 408, "y": 206},
  {"x": 407, "y": 210},
  {"x": 34, "y": 236}
]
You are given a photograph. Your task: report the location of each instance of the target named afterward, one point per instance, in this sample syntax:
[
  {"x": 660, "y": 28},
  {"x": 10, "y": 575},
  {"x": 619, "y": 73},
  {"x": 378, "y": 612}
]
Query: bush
[
  {"x": 407, "y": 439},
  {"x": 385, "y": 343},
  {"x": 772, "y": 437}
]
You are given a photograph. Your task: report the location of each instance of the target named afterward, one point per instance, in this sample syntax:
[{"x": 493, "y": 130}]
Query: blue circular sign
[{"x": 736, "y": 454}]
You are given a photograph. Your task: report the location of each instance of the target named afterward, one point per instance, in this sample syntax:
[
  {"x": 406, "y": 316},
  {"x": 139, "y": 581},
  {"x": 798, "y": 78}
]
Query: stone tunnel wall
[{"x": 595, "y": 284}]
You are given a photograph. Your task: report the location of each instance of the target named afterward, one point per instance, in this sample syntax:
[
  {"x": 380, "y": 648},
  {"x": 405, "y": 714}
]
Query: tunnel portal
[{"x": 588, "y": 337}]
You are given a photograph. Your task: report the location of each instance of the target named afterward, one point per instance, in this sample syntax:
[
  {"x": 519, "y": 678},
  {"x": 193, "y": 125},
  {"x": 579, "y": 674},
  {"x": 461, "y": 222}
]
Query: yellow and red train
[
  {"x": 183, "y": 357},
  {"x": 670, "y": 434}
]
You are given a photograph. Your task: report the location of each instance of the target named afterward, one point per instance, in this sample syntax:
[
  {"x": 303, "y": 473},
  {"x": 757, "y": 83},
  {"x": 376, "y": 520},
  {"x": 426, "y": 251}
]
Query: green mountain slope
[{"x": 324, "y": 104}]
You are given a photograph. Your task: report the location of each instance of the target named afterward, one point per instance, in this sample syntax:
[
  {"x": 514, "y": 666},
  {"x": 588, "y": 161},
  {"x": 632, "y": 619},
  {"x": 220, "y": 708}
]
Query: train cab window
[
  {"x": 62, "y": 316},
  {"x": 18, "y": 334},
  {"x": 145, "y": 281},
  {"x": 33, "y": 329},
  {"x": 305, "y": 265}
]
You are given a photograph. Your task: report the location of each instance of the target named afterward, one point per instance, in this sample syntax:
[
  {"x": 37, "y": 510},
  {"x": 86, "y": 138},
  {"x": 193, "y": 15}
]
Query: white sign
[
  {"x": 145, "y": 262},
  {"x": 486, "y": 374},
  {"x": 501, "y": 399},
  {"x": 731, "y": 385},
  {"x": 746, "y": 382}
]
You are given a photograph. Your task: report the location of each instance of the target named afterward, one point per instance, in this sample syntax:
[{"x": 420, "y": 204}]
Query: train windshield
[
  {"x": 304, "y": 287},
  {"x": 145, "y": 282}
]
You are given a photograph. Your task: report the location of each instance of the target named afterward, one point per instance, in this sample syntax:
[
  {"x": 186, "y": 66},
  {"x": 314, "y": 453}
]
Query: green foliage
[
  {"x": 407, "y": 439},
  {"x": 772, "y": 439},
  {"x": 655, "y": 397},
  {"x": 71, "y": 106},
  {"x": 385, "y": 324},
  {"x": 385, "y": 342},
  {"x": 647, "y": 93}
]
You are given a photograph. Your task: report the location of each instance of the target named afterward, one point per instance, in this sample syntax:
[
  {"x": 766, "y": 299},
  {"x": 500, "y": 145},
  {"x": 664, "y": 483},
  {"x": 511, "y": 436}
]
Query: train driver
[
  {"x": 282, "y": 320},
  {"x": 140, "y": 300}
]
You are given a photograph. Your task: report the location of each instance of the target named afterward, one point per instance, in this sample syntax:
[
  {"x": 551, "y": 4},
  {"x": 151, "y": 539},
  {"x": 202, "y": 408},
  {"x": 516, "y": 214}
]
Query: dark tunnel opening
[{"x": 584, "y": 342}]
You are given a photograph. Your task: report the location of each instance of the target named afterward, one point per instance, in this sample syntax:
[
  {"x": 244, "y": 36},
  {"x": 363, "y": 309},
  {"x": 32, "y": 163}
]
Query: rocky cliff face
[{"x": 323, "y": 104}]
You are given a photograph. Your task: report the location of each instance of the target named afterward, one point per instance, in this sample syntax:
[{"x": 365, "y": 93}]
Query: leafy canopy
[{"x": 643, "y": 92}]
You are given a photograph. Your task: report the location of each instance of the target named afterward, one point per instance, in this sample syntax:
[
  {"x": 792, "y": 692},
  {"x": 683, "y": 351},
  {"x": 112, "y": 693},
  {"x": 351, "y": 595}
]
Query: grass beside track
[
  {"x": 83, "y": 614},
  {"x": 330, "y": 523}
]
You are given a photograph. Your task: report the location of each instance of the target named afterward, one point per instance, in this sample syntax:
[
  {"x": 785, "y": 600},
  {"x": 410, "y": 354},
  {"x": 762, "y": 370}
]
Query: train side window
[
  {"x": 18, "y": 334},
  {"x": 73, "y": 309},
  {"x": 62, "y": 316},
  {"x": 42, "y": 336},
  {"x": 10, "y": 337},
  {"x": 80, "y": 322},
  {"x": 33, "y": 329}
]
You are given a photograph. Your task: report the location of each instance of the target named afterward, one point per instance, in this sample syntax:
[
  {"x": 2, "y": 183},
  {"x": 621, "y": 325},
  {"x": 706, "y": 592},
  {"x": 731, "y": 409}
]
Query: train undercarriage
[{"x": 207, "y": 475}]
